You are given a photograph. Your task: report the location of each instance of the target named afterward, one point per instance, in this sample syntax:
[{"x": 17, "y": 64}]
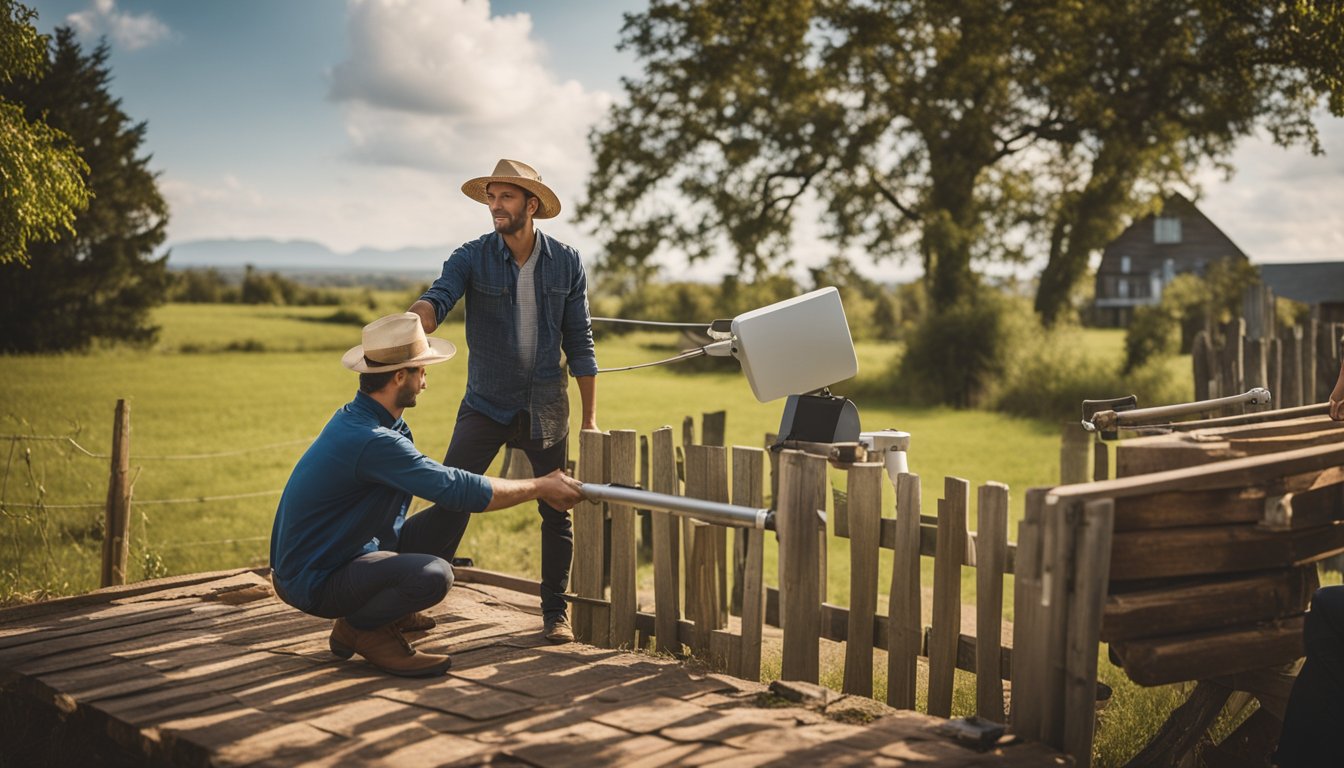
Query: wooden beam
[
  {"x": 1158, "y": 661},
  {"x": 1208, "y": 604}
]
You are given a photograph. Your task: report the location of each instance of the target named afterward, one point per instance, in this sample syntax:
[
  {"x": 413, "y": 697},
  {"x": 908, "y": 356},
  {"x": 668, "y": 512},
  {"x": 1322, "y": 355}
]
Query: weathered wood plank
[
  {"x": 1157, "y": 661},
  {"x": 796, "y": 521},
  {"x": 1088, "y": 591},
  {"x": 586, "y": 572},
  {"x": 748, "y": 491},
  {"x": 992, "y": 524},
  {"x": 1186, "y": 607},
  {"x": 666, "y": 547},
  {"x": 903, "y": 608},
  {"x": 1221, "y": 549},
  {"x": 623, "y": 446},
  {"x": 864, "y": 501},
  {"x": 1028, "y": 700},
  {"x": 947, "y": 594}
]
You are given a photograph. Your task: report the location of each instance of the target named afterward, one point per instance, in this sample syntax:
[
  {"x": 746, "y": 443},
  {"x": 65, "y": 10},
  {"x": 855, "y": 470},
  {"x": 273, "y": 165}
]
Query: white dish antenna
[{"x": 794, "y": 346}]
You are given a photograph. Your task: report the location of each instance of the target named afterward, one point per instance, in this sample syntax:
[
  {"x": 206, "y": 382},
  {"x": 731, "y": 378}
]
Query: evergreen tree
[{"x": 100, "y": 282}]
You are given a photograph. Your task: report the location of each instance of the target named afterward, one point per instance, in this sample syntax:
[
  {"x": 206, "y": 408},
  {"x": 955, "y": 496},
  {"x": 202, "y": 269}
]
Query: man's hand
[{"x": 560, "y": 490}]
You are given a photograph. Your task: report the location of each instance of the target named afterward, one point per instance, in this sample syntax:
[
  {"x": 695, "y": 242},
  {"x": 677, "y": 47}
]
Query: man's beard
[
  {"x": 406, "y": 395},
  {"x": 511, "y": 227}
]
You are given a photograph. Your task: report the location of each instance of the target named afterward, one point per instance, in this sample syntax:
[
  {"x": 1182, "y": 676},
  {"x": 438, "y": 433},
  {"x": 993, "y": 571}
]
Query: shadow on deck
[{"x": 212, "y": 669}]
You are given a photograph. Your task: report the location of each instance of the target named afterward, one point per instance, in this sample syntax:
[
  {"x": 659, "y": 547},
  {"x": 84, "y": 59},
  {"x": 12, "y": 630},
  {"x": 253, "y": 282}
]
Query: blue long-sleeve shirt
[
  {"x": 484, "y": 273},
  {"x": 349, "y": 493}
]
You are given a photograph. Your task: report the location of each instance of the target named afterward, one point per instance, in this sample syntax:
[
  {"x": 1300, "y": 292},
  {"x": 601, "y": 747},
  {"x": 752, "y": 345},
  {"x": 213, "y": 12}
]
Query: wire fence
[{"x": 39, "y": 539}]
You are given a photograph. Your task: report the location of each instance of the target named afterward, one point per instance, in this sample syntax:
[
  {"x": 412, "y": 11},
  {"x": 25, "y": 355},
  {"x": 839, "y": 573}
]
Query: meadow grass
[{"x": 259, "y": 382}]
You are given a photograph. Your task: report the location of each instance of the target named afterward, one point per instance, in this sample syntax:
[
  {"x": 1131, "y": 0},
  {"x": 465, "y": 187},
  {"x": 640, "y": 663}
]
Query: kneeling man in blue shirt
[{"x": 342, "y": 546}]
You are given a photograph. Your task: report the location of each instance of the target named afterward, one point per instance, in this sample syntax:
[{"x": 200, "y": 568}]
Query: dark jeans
[
  {"x": 1315, "y": 714},
  {"x": 380, "y": 587},
  {"x": 476, "y": 441}
]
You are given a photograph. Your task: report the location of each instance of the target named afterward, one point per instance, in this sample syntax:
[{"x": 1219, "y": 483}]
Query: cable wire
[
  {"x": 656, "y": 323},
  {"x": 687, "y": 355}
]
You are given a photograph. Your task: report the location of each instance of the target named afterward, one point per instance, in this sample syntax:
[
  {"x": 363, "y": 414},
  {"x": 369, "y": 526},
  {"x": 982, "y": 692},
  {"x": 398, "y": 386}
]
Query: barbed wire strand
[
  {"x": 165, "y": 457},
  {"x": 134, "y": 501}
]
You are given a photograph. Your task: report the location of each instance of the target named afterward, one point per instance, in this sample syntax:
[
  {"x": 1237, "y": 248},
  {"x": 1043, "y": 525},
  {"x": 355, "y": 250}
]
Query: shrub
[
  {"x": 954, "y": 355},
  {"x": 1153, "y": 332}
]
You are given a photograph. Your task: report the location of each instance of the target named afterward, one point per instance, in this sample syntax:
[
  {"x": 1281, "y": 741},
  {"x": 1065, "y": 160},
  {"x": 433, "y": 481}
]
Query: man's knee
[{"x": 434, "y": 579}]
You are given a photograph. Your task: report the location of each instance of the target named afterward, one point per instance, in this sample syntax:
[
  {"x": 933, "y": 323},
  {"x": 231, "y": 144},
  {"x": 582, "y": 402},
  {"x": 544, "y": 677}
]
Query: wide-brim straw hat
[
  {"x": 521, "y": 175},
  {"x": 394, "y": 342}
]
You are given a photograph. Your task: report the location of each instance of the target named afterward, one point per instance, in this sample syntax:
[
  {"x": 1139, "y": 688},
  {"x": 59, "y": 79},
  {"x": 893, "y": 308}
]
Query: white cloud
[
  {"x": 443, "y": 87},
  {"x": 131, "y": 31},
  {"x": 1283, "y": 204}
]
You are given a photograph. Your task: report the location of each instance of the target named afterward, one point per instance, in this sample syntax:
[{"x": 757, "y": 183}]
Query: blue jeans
[
  {"x": 380, "y": 587},
  {"x": 476, "y": 441}
]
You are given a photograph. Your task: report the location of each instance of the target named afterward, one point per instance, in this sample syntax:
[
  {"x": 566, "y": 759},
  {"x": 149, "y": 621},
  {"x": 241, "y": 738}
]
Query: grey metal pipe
[
  {"x": 708, "y": 511},
  {"x": 1107, "y": 421}
]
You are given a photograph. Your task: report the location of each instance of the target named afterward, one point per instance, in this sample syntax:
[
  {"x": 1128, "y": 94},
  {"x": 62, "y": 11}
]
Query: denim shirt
[
  {"x": 484, "y": 272},
  {"x": 349, "y": 493}
]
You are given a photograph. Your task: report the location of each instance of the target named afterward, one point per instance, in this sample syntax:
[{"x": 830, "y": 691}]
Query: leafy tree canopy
[
  {"x": 948, "y": 131},
  {"x": 41, "y": 173},
  {"x": 99, "y": 281}
]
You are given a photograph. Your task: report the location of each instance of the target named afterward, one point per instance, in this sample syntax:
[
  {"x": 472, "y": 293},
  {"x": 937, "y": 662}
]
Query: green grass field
[{"x": 231, "y": 395}]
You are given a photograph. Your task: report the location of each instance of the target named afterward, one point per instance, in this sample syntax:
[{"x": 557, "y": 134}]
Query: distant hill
[{"x": 305, "y": 255}]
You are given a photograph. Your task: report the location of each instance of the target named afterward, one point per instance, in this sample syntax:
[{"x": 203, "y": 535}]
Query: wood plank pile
[
  {"x": 1212, "y": 576},
  {"x": 211, "y": 669}
]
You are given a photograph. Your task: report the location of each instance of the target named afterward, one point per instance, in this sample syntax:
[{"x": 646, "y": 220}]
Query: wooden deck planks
[{"x": 200, "y": 678}]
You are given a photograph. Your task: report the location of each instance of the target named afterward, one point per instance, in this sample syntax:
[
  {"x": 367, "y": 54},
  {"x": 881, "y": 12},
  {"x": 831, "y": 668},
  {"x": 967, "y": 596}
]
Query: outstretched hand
[{"x": 560, "y": 490}]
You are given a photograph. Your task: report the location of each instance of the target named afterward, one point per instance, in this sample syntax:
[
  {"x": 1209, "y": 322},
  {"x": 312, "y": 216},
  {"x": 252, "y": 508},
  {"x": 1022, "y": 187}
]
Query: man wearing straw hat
[
  {"x": 527, "y": 302},
  {"x": 342, "y": 546}
]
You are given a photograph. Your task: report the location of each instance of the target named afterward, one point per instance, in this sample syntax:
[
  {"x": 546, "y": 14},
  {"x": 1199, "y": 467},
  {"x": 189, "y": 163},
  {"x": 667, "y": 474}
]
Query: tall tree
[
  {"x": 100, "y": 282},
  {"x": 1155, "y": 88},
  {"x": 41, "y": 173},
  {"x": 954, "y": 130}
]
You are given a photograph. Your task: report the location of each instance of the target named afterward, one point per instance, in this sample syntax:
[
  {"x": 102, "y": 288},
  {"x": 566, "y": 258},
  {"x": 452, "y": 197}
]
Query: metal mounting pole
[{"x": 709, "y": 511}]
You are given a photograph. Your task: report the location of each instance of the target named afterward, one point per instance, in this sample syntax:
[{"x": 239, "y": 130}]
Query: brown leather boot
[
  {"x": 385, "y": 649},
  {"x": 415, "y": 622}
]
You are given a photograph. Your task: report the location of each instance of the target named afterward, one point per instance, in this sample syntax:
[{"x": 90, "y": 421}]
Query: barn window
[{"x": 1166, "y": 229}]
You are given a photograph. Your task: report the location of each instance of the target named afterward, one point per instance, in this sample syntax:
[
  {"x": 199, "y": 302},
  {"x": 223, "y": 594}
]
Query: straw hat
[
  {"x": 394, "y": 342},
  {"x": 519, "y": 174}
]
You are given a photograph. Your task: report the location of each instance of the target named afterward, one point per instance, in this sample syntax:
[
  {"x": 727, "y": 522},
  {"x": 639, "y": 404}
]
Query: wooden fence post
[
  {"x": 864, "y": 502},
  {"x": 904, "y": 623},
  {"x": 591, "y": 625},
  {"x": 748, "y": 491},
  {"x": 991, "y": 556},
  {"x": 1202, "y": 358},
  {"x": 705, "y": 595},
  {"x": 622, "y": 448},
  {"x": 1029, "y": 691},
  {"x": 1092, "y": 567},
  {"x": 666, "y": 548},
  {"x": 1292, "y": 370},
  {"x": 799, "y": 590},
  {"x": 1075, "y": 453},
  {"x": 1309, "y": 395},
  {"x": 951, "y": 550},
  {"x": 117, "y": 519},
  {"x": 712, "y": 428}
]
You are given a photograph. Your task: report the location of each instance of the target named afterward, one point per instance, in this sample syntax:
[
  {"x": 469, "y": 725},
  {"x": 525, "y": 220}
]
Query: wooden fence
[
  {"x": 1297, "y": 365},
  {"x": 711, "y": 598}
]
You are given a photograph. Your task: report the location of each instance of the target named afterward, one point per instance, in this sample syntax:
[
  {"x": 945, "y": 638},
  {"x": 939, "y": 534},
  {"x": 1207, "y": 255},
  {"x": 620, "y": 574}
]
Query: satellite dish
[{"x": 795, "y": 346}]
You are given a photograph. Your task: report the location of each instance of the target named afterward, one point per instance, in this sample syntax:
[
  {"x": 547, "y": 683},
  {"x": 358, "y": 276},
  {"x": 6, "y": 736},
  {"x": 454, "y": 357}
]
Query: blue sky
[{"x": 354, "y": 123}]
